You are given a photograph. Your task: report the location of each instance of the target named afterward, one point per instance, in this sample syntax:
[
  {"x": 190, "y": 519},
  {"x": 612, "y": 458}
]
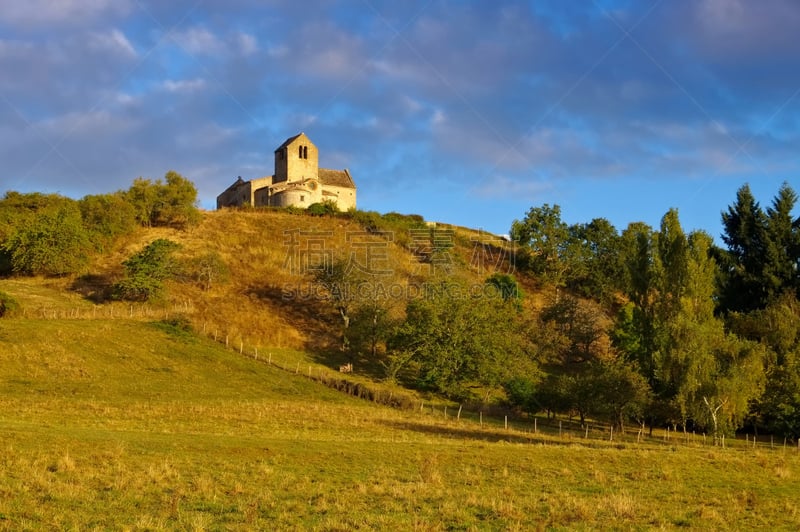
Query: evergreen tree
[{"x": 745, "y": 285}]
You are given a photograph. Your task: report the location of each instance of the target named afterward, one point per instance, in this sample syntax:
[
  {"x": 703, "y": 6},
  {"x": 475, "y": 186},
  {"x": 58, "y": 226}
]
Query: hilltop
[{"x": 266, "y": 296}]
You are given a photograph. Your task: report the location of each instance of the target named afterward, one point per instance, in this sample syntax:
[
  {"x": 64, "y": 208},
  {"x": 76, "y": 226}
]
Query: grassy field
[{"x": 138, "y": 425}]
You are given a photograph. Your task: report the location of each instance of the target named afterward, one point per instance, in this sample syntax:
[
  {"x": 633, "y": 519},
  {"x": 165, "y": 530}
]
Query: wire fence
[{"x": 486, "y": 422}]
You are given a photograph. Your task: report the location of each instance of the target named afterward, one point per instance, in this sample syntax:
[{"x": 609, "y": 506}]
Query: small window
[
  {"x": 305, "y": 152},
  {"x": 302, "y": 198},
  {"x": 300, "y": 150}
]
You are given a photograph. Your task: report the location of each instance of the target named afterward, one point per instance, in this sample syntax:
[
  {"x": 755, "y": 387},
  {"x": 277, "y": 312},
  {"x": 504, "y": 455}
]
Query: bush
[
  {"x": 146, "y": 272},
  {"x": 8, "y": 305},
  {"x": 49, "y": 243},
  {"x": 179, "y": 328},
  {"x": 369, "y": 220},
  {"x": 326, "y": 207},
  {"x": 106, "y": 217}
]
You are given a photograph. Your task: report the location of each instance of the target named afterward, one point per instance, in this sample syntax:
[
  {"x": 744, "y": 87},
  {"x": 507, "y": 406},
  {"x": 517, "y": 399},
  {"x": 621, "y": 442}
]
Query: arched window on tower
[
  {"x": 305, "y": 152},
  {"x": 300, "y": 150}
]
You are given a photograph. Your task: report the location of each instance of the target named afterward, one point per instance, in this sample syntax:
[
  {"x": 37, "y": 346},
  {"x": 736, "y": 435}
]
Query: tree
[
  {"x": 736, "y": 379},
  {"x": 164, "y": 203},
  {"x": 106, "y": 217},
  {"x": 521, "y": 393},
  {"x": 146, "y": 271},
  {"x": 51, "y": 242},
  {"x": 763, "y": 251},
  {"x": 597, "y": 268},
  {"x": 340, "y": 282},
  {"x": 546, "y": 239},
  {"x": 634, "y": 333},
  {"x": 777, "y": 328},
  {"x": 21, "y": 218},
  {"x": 209, "y": 269},
  {"x": 672, "y": 333},
  {"x": 783, "y": 245},
  {"x": 582, "y": 326},
  {"x": 456, "y": 340},
  {"x": 620, "y": 391},
  {"x": 177, "y": 202},
  {"x": 371, "y": 325},
  {"x": 143, "y": 196}
]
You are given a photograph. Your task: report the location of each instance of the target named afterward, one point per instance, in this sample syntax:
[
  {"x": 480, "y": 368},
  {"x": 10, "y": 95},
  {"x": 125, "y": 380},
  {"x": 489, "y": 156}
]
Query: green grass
[{"x": 135, "y": 425}]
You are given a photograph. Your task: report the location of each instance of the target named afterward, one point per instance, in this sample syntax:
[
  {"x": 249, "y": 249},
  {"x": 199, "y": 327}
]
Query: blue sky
[{"x": 464, "y": 112}]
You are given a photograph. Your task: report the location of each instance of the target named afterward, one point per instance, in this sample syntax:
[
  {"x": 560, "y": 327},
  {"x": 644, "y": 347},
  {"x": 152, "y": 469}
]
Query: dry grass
[{"x": 122, "y": 424}]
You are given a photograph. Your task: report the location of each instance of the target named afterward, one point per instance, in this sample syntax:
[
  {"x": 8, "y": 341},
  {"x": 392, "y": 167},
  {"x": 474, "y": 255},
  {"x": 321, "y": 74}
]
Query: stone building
[{"x": 298, "y": 181}]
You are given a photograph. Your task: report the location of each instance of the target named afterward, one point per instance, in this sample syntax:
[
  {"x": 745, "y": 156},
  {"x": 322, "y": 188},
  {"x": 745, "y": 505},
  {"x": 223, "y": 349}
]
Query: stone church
[{"x": 298, "y": 181}]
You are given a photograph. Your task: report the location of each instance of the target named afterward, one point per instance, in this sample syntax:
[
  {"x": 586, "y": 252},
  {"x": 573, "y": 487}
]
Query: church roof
[
  {"x": 289, "y": 141},
  {"x": 336, "y": 178}
]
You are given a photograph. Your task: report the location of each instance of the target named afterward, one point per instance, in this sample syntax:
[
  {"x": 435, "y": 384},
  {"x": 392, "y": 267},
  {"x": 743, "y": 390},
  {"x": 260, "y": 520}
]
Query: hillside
[
  {"x": 267, "y": 299},
  {"x": 137, "y": 424}
]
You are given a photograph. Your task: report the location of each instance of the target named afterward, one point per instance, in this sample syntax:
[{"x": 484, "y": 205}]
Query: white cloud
[
  {"x": 278, "y": 51},
  {"x": 247, "y": 43},
  {"x": 113, "y": 41},
  {"x": 199, "y": 41},
  {"x": 97, "y": 123},
  {"x": 183, "y": 85}
]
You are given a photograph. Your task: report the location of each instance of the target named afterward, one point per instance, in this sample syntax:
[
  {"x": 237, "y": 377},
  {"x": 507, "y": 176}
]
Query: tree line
[
  {"x": 701, "y": 336},
  {"x": 52, "y": 235},
  {"x": 650, "y": 325}
]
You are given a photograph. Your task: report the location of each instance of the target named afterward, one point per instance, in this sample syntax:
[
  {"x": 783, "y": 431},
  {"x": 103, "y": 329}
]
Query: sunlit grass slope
[
  {"x": 258, "y": 247},
  {"x": 138, "y": 425}
]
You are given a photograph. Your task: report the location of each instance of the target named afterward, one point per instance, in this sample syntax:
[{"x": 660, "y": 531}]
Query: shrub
[
  {"x": 369, "y": 220},
  {"x": 146, "y": 272},
  {"x": 8, "y": 305},
  {"x": 49, "y": 243},
  {"x": 107, "y": 216},
  {"x": 323, "y": 208}
]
